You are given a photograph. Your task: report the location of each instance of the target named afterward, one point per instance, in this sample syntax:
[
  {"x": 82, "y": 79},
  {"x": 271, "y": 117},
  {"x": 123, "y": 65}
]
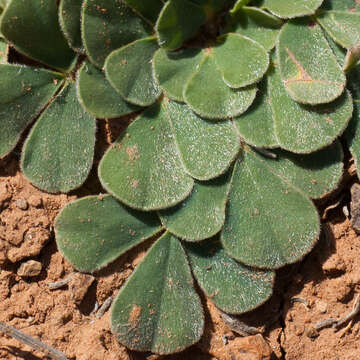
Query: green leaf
[
  {"x": 352, "y": 135},
  {"x": 269, "y": 222},
  {"x": 58, "y": 153},
  {"x": 315, "y": 174},
  {"x": 350, "y": 5},
  {"x": 256, "y": 125},
  {"x": 33, "y": 29},
  {"x": 179, "y": 20},
  {"x": 4, "y": 49},
  {"x": 158, "y": 309},
  {"x": 98, "y": 97},
  {"x": 172, "y": 70},
  {"x": 69, "y": 17},
  {"x": 317, "y": 125},
  {"x": 342, "y": 26},
  {"x": 108, "y": 25},
  {"x": 148, "y": 9},
  {"x": 208, "y": 95},
  {"x": 292, "y": 9},
  {"x": 93, "y": 231},
  {"x": 206, "y": 148},
  {"x": 354, "y": 82},
  {"x": 233, "y": 287},
  {"x": 129, "y": 71},
  {"x": 256, "y": 24},
  {"x": 143, "y": 168},
  {"x": 242, "y": 61},
  {"x": 202, "y": 214},
  {"x": 239, "y": 5},
  {"x": 310, "y": 72},
  {"x": 24, "y": 91}
]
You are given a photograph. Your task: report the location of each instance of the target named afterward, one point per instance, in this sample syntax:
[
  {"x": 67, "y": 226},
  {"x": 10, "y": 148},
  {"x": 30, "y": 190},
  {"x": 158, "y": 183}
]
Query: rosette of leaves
[
  {"x": 59, "y": 85},
  {"x": 244, "y": 104}
]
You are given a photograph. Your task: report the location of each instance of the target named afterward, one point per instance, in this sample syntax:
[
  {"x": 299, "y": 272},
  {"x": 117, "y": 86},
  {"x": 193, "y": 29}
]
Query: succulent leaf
[
  {"x": 256, "y": 24},
  {"x": 310, "y": 72},
  {"x": 233, "y": 287},
  {"x": 206, "y": 148},
  {"x": 256, "y": 125},
  {"x": 33, "y": 29},
  {"x": 292, "y": 9},
  {"x": 143, "y": 168},
  {"x": 269, "y": 222},
  {"x": 202, "y": 214},
  {"x": 98, "y": 97},
  {"x": 242, "y": 61},
  {"x": 158, "y": 309},
  {"x": 108, "y": 25},
  {"x": 178, "y": 21},
  {"x": 129, "y": 71},
  {"x": 315, "y": 174},
  {"x": 69, "y": 17},
  {"x": 93, "y": 231},
  {"x": 172, "y": 70},
  {"x": 58, "y": 153},
  {"x": 342, "y": 26},
  {"x": 350, "y": 5},
  {"x": 24, "y": 91},
  {"x": 208, "y": 95},
  {"x": 304, "y": 128}
]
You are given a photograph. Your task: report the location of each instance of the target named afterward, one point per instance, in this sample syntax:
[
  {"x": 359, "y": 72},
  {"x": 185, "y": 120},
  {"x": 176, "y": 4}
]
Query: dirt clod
[
  {"x": 29, "y": 268},
  {"x": 355, "y": 207},
  {"x": 22, "y": 204},
  {"x": 78, "y": 285}
]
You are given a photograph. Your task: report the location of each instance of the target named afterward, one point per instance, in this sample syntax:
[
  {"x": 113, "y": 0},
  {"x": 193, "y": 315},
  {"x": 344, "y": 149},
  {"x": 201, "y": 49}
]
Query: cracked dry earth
[{"x": 323, "y": 286}]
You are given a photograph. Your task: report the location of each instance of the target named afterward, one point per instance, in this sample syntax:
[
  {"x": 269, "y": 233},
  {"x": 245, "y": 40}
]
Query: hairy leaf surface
[
  {"x": 242, "y": 61},
  {"x": 108, "y": 25},
  {"x": 158, "y": 309},
  {"x": 69, "y": 17},
  {"x": 143, "y": 167},
  {"x": 24, "y": 91},
  {"x": 148, "y": 9},
  {"x": 33, "y": 29},
  {"x": 97, "y": 95},
  {"x": 58, "y": 154},
  {"x": 172, "y": 70},
  {"x": 308, "y": 67},
  {"x": 129, "y": 71},
  {"x": 208, "y": 95},
  {"x": 95, "y": 230},
  {"x": 206, "y": 148},
  {"x": 178, "y": 21},
  {"x": 342, "y": 26},
  {"x": 292, "y": 9},
  {"x": 304, "y": 128},
  {"x": 269, "y": 222},
  {"x": 202, "y": 214},
  {"x": 233, "y": 287}
]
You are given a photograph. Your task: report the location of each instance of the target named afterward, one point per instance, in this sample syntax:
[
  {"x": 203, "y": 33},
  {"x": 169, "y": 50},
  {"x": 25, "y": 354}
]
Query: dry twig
[{"x": 34, "y": 343}]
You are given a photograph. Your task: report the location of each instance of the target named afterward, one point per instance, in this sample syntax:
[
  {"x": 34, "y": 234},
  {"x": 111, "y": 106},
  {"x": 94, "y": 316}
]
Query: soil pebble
[
  {"x": 22, "y": 204},
  {"x": 29, "y": 268},
  {"x": 79, "y": 285}
]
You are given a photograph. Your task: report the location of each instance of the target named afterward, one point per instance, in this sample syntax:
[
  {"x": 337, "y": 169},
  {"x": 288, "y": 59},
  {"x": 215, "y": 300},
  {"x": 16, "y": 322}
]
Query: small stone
[
  {"x": 321, "y": 306},
  {"x": 21, "y": 204},
  {"x": 35, "y": 201},
  {"x": 79, "y": 285},
  {"x": 30, "y": 268},
  {"x": 311, "y": 332},
  {"x": 250, "y": 348}
]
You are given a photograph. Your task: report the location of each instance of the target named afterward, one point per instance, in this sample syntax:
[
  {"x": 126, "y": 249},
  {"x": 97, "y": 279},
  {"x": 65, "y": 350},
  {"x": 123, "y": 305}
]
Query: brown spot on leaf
[
  {"x": 134, "y": 315},
  {"x": 132, "y": 152}
]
